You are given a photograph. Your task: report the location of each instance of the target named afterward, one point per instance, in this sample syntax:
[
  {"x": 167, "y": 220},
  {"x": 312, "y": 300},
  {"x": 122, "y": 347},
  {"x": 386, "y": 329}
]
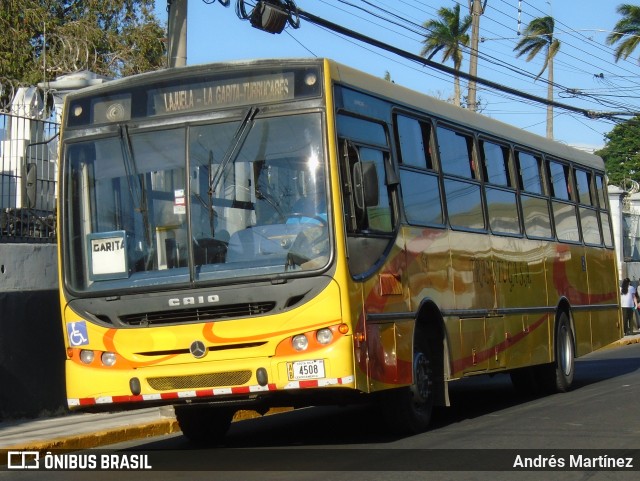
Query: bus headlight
[
  {"x": 300, "y": 342},
  {"x": 324, "y": 336},
  {"x": 108, "y": 358},
  {"x": 86, "y": 356}
]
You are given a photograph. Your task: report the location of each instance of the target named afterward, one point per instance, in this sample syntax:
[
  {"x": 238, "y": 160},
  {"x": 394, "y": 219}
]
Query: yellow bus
[{"x": 294, "y": 232}]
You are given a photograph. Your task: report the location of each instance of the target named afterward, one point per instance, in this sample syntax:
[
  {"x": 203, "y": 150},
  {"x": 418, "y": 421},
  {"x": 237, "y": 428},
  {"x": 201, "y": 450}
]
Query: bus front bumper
[{"x": 241, "y": 380}]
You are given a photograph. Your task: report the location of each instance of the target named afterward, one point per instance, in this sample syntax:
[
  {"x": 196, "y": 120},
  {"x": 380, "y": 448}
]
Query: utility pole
[
  {"x": 476, "y": 9},
  {"x": 177, "y": 33}
]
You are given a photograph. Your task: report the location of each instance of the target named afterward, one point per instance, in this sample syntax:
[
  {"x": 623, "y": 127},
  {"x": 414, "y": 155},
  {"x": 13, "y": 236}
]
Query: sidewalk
[{"x": 88, "y": 430}]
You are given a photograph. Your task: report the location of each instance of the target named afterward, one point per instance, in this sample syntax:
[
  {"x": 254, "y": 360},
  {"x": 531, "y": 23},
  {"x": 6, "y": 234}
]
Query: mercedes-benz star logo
[{"x": 198, "y": 349}]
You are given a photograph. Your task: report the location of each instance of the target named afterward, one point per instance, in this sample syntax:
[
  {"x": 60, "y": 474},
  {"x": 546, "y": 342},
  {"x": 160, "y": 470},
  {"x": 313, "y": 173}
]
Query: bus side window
[
  {"x": 559, "y": 181},
  {"x": 535, "y": 206},
  {"x": 588, "y": 213},
  {"x": 456, "y": 153},
  {"x": 463, "y": 195},
  {"x": 414, "y": 140},
  {"x": 601, "y": 192},
  {"x": 421, "y": 195},
  {"x": 365, "y": 209},
  {"x": 605, "y": 220},
  {"x": 495, "y": 163},
  {"x": 564, "y": 210},
  {"x": 499, "y": 192}
]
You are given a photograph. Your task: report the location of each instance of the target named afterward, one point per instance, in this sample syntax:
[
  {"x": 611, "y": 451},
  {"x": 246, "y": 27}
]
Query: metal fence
[{"x": 29, "y": 129}]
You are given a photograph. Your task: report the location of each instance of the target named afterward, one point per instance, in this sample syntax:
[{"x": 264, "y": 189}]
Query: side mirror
[{"x": 365, "y": 183}]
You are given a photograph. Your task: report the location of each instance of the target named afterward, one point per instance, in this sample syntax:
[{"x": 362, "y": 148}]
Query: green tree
[
  {"x": 41, "y": 39},
  {"x": 538, "y": 37},
  {"x": 449, "y": 34},
  {"x": 621, "y": 152},
  {"x": 626, "y": 32}
]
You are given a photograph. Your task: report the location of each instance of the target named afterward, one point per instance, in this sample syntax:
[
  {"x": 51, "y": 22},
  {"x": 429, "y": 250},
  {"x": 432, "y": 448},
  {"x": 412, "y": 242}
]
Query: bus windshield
[{"x": 196, "y": 203}]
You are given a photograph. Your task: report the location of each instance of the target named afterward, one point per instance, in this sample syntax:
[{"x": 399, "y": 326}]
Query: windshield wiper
[
  {"x": 232, "y": 152},
  {"x": 137, "y": 190},
  {"x": 269, "y": 200},
  {"x": 208, "y": 205}
]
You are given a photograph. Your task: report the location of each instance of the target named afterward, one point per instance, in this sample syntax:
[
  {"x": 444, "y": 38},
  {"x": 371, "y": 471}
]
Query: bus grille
[
  {"x": 215, "y": 379},
  {"x": 198, "y": 314}
]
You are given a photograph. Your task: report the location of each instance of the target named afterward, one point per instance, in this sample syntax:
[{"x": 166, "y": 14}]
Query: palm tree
[
  {"x": 449, "y": 34},
  {"x": 538, "y": 36},
  {"x": 628, "y": 28}
]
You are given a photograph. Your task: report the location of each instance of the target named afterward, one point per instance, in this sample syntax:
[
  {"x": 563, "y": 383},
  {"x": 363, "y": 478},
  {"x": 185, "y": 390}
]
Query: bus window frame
[
  {"x": 429, "y": 145},
  {"x": 391, "y": 185},
  {"x": 511, "y": 187},
  {"x": 604, "y": 210},
  {"x": 571, "y": 193},
  {"x": 593, "y": 203},
  {"x": 432, "y": 171},
  {"x": 476, "y": 180},
  {"x": 543, "y": 195}
]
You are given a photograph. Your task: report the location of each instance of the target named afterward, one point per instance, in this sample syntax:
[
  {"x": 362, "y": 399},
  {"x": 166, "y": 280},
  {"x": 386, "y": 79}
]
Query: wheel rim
[
  {"x": 565, "y": 351},
  {"x": 422, "y": 380}
]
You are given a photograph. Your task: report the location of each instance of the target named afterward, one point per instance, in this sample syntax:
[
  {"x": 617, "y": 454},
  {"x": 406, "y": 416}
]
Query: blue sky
[{"x": 585, "y": 71}]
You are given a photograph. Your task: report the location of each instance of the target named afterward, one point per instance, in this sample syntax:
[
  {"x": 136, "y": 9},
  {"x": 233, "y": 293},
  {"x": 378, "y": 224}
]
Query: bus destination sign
[{"x": 223, "y": 93}]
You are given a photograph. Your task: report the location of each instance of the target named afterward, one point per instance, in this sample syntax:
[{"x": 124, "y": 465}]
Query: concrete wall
[{"x": 31, "y": 342}]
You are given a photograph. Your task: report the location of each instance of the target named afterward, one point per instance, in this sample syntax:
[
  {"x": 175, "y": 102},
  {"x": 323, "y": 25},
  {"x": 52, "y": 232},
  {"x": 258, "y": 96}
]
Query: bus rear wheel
[
  {"x": 203, "y": 423},
  {"x": 558, "y": 376},
  {"x": 408, "y": 410}
]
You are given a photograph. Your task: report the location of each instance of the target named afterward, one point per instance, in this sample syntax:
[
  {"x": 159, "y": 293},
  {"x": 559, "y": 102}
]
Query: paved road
[{"x": 602, "y": 415}]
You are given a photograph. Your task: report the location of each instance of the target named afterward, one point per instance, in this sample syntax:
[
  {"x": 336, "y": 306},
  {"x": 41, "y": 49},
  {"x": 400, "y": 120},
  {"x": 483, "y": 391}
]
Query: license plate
[{"x": 306, "y": 370}]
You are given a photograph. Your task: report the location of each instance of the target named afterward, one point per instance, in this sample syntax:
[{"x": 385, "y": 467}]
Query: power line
[
  {"x": 497, "y": 61},
  {"x": 443, "y": 68}
]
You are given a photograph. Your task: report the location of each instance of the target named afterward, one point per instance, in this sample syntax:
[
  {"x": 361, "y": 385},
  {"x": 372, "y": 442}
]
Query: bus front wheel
[
  {"x": 202, "y": 423},
  {"x": 408, "y": 410}
]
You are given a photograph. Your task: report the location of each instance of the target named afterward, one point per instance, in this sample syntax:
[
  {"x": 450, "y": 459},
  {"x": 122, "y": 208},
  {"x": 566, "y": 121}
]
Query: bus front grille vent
[
  {"x": 199, "y": 381},
  {"x": 198, "y": 314}
]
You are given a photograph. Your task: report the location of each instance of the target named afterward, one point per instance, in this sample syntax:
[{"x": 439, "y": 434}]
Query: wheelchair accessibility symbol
[{"x": 77, "y": 333}]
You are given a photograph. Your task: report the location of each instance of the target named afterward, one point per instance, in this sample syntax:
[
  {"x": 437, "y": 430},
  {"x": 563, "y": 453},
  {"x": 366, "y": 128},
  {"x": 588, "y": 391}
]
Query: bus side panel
[
  {"x": 569, "y": 275},
  {"x": 471, "y": 265},
  {"x": 428, "y": 271},
  {"x": 606, "y": 324},
  {"x": 388, "y": 343},
  {"x": 521, "y": 283},
  {"x": 429, "y": 277},
  {"x": 568, "y": 278}
]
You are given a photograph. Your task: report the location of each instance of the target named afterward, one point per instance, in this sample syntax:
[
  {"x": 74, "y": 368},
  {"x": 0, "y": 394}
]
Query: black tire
[
  {"x": 204, "y": 424},
  {"x": 408, "y": 410},
  {"x": 558, "y": 376}
]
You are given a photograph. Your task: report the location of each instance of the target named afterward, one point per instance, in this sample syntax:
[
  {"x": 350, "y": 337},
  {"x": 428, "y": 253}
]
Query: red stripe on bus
[
  {"x": 124, "y": 399},
  {"x": 204, "y": 393},
  {"x": 304, "y": 384},
  {"x": 169, "y": 395},
  {"x": 481, "y": 356}
]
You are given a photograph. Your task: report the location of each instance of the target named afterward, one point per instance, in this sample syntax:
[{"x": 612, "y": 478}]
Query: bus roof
[{"x": 403, "y": 96}]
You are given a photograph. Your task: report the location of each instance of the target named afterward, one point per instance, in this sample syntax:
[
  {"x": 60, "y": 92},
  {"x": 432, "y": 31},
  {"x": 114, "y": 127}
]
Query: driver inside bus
[
  {"x": 311, "y": 206},
  {"x": 310, "y": 250}
]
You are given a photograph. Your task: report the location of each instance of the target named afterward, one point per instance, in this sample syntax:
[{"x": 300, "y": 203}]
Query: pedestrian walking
[
  {"x": 627, "y": 302},
  {"x": 636, "y": 311}
]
